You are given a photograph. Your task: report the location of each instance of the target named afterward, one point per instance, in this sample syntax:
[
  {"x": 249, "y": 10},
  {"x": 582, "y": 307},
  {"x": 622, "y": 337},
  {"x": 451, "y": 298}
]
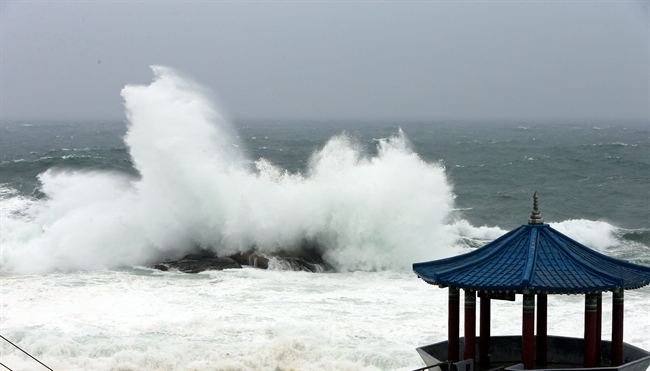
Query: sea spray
[
  {"x": 598, "y": 235},
  {"x": 195, "y": 188}
]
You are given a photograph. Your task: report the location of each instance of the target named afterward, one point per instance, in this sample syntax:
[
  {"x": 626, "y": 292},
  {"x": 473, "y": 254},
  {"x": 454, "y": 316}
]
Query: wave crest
[{"x": 197, "y": 189}]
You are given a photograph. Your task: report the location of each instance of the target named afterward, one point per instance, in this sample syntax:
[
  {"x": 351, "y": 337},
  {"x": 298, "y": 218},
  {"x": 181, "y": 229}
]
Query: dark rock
[
  {"x": 298, "y": 264},
  {"x": 194, "y": 264},
  {"x": 251, "y": 258},
  {"x": 306, "y": 258},
  {"x": 161, "y": 267}
]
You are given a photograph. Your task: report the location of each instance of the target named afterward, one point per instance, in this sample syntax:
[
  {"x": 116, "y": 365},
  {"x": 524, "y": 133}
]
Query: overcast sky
[{"x": 433, "y": 60}]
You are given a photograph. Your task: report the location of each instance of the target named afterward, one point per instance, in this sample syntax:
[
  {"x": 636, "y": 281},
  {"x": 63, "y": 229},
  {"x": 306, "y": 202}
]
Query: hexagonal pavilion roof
[{"x": 534, "y": 257}]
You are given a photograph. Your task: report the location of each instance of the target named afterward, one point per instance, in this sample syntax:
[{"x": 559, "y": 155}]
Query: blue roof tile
[{"x": 534, "y": 257}]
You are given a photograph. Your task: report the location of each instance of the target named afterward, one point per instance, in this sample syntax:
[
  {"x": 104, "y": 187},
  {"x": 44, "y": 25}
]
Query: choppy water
[{"x": 86, "y": 205}]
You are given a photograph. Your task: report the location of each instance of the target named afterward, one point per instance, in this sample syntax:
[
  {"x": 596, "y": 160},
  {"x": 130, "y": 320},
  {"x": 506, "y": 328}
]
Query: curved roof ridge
[
  {"x": 636, "y": 275},
  {"x": 465, "y": 259},
  {"x": 617, "y": 279},
  {"x": 478, "y": 258},
  {"x": 601, "y": 255},
  {"x": 531, "y": 258}
]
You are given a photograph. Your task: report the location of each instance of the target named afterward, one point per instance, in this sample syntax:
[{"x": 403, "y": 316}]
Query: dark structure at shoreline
[{"x": 308, "y": 260}]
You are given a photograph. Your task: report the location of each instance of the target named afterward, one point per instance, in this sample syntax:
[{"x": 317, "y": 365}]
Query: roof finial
[{"x": 535, "y": 217}]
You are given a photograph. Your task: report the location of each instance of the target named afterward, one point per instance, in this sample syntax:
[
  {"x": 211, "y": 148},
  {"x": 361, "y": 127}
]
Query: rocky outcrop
[
  {"x": 303, "y": 260},
  {"x": 250, "y": 258},
  {"x": 306, "y": 259},
  {"x": 195, "y": 263}
]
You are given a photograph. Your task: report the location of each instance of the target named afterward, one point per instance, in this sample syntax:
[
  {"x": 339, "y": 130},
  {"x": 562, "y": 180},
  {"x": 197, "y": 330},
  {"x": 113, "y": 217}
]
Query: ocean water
[{"x": 86, "y": 206}]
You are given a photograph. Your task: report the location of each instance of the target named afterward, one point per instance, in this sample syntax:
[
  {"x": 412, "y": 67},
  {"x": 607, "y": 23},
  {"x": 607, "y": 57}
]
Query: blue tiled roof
[{"x": 534, "y": 257}]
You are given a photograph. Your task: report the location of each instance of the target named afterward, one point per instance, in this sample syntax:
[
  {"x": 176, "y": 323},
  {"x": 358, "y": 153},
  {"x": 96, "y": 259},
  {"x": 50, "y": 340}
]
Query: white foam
[
  {"x": 13, "y": 205},
  {"x": 595, "y": 234},
  {"x": 196, "y": 188},
  {"x": 462, "y": 228},
  {"x": 252, "y": 319}
]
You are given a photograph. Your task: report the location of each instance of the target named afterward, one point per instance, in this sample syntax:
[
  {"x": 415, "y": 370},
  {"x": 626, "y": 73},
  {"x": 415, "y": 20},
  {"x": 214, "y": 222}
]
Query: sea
[{"x": 87, "y": 207}]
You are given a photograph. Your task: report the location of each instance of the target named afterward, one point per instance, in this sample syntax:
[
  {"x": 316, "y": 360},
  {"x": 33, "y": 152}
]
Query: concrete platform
[{"x": 564, "y": 353}]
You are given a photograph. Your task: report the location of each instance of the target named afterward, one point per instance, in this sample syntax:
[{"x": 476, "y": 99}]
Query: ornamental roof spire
[{"x": 535, "y": 217}]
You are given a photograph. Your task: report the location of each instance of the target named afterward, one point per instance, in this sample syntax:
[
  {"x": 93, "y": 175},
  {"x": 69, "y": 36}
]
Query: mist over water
[{"x": 197, "y": 189}]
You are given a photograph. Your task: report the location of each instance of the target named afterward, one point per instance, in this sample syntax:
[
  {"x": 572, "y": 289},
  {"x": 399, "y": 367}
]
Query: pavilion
[{"x": 535, "y": 260}]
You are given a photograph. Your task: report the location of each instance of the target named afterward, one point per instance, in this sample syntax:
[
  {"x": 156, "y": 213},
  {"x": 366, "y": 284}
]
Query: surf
[
  {"x": 197, "y": 189},
  {"x": 193, "y": 186}
]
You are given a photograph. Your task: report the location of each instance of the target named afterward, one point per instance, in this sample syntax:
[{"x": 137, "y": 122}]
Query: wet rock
[
  {"x": 251, "y": 258},
  {"x": 306, "y": 258},
  {"x": 194, "y": 264},
  {"x": 161, "y": 267}
]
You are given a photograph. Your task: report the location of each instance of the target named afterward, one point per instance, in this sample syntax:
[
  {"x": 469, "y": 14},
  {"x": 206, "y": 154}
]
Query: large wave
[{"x": 196, "y": 188}]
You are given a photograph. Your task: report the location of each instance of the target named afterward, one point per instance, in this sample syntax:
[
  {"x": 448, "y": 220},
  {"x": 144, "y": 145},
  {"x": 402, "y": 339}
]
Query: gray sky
[{"x": 431, "y": 60}]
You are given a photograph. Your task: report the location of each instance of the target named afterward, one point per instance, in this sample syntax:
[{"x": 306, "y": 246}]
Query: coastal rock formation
[
  {"x": 307, "y": 259},
  {"x": 195, "y": 263},
  {"x": 303, "y": 260},
  {"x": 250, "y": 258}
]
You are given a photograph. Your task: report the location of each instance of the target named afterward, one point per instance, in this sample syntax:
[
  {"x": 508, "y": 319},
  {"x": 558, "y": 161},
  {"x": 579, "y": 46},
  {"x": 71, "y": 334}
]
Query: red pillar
[
  {"x": 542, "y": 333},
  {"x": 617, "y": 328},
  {"x": 470, "y": 324},
  {"x": 453, "y": 325},
  {"x": 484, "y": 344},
  {"x": 599, "y": 327},
  {"x": 591, "y": 304},
  {"x": 528, "y": 333}
]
